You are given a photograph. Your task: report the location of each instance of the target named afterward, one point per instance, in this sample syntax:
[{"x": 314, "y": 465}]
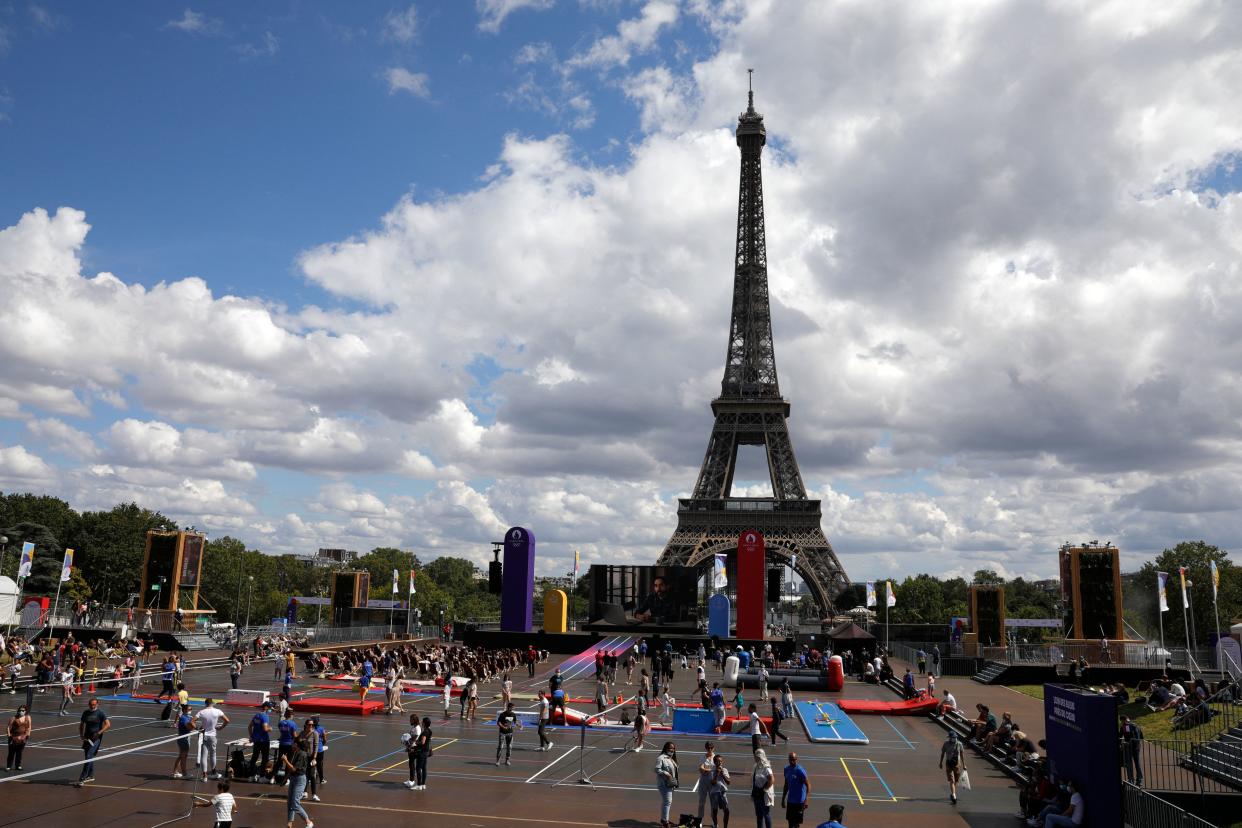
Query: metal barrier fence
[
  {"x": 1167, "y": 765},
  {"x": 950, "y": 664},
  {"x": 1143, "y": 809},
  {"x": 1117, "y": 654}
]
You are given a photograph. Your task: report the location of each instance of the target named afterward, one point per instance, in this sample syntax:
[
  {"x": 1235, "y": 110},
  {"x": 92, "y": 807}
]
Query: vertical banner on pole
[
  {"x": 517, "y": 597},
  {"x": 1162, "y": 579},
  {"x": 23, "y": 568},
  {"x": 720, "y": 576},
  {"x": 750, "y": 585}
]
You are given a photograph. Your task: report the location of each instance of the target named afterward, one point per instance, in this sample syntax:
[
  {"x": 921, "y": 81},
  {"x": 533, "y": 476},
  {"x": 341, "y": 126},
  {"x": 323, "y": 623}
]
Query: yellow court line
[
  {"x": 443, "y": 745},
  {"x": 379, "y": 808},
  {"x": 390, "y": 767},
  {"x": 850, "y": 776}
]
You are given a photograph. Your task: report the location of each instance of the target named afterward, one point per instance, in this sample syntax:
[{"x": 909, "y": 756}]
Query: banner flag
[
  {"x": 411, "y": 582},
  {"x": 396, "y": 579},
  {"x": 575, "y": 563},
  {"x": 23, "y": 568},
  {"x": 1185, "y": 601},
  {"x": 66, "y": 569},
  {"x": 720, "y": 578},
  {"x": 793, "y": 561},
  {"x": 892, "y": 596},
  {"x": 871, "y": 593},
  {"x": 1215, "y": 580},
  {"x": 1161, "y": 579}
]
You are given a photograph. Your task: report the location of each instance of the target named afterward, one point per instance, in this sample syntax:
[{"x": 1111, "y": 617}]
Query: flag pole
[
  {"x": 1181, "y": 571},
  {"x": 1216, "y": 612},
  {"x": 55, "y": 606}
]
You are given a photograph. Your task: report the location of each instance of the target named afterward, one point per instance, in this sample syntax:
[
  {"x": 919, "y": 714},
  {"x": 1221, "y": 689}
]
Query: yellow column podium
[{"x": 555, "y": 611}]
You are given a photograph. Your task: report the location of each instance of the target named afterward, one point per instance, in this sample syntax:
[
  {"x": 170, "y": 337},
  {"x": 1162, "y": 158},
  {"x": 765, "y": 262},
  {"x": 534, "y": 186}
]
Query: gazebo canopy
[{"x": 849, "y": 631}]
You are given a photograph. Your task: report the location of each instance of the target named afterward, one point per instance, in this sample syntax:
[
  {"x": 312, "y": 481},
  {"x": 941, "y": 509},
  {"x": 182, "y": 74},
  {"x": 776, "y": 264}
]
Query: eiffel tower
[{"x": 750, "y": 411}]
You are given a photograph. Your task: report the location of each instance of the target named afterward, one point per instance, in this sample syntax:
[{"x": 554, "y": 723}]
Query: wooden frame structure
[{"x": 174, "y": 561}]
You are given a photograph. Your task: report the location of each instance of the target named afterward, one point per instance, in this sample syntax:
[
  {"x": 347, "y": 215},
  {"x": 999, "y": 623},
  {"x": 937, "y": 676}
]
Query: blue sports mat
[{"x": 825, "y": 722}]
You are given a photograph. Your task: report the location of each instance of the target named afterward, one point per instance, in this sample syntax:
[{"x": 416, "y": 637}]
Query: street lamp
[
  {"x": 241, "y": 571},
  {"x": 249, "y": 595}
]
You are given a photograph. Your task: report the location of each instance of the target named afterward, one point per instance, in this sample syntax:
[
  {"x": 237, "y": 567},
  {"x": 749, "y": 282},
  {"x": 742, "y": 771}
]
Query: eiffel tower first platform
[{"x": 751, "y": 411}]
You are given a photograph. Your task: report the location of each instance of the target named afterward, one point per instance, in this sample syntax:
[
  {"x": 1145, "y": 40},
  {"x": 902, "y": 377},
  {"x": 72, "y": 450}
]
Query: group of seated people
[
  {"x": 421, "y": 659},
  {"x": 1044, "y": 796}
]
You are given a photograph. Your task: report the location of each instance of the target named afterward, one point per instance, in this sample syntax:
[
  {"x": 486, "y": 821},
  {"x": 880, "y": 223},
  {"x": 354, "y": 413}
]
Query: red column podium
[{"x": 750, "y": 581}]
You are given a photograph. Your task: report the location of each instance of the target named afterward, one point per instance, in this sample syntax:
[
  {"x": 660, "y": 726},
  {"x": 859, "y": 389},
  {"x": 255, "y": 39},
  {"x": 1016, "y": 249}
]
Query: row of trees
[
  {"x": 926, "y": 599},
  {"x": 109, "y": 547}
]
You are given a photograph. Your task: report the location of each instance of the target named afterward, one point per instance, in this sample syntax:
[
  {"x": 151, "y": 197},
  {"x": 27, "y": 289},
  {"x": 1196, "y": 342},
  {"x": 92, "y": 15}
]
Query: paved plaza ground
[{"x": 892, "y": 781}]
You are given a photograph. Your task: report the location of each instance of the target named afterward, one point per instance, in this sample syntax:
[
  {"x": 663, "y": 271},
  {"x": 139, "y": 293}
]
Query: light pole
[
  {"x": 1190, "y": 605},
  {"x": 241, "y": 572},
  {"x": 249, "y": 595},
  {"x": 4, "y": 550}
]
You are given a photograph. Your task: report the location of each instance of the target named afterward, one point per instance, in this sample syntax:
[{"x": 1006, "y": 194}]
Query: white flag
[
  {"x": 411, "y": 582},
  {"x": 871, "y": 593},
  {"x": 892, "y": 596},
  {"x": 1185, "y": 601},
  {"x": 1161, "y": 579},
  {"x": 720, "y": 578},
  {"x": 23, "y": 568},
  {"x": 396, "y": 578},
  {"x": 66, "y": 569}
]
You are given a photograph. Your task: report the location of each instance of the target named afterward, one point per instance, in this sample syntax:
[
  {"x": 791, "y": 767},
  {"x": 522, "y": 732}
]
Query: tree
[
  {"x": 76, "y": 589},
  {"x": 920, "y": 600},
  {"x": 380, "y": 562},
  {"x": 59, "y": 518},
  {"x": 48, "y": 556},
  {"x": 111, "y": 547},
  {"x": 987, "y": 576},
  {"x": 1195, "y": 556}
]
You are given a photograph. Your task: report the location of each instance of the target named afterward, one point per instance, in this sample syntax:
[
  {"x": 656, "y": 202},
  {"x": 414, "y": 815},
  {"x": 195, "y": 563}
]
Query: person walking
[
  {"x": 641, "y": 724},
  {"x": 210, "y": 720},
  {"x": 91, "y": 729},
  {"x": 763, "y": 682},
  {"x": 505, "y": 723},
  {"x": 756, "y": 727},
  {"x": 260, "y": 731},
  {"x": 601, "y": 693},
  {"x": 706, "y": 768},
  {"x": 953, "y": 760},
  {"x": 545, "y": 714},
  {"x": 762, "y": 781},
  {"x": 718, "y": 707},
  {"x": 1131, "y": 750},
  {"x": 472, "y": 704},
  {"x": 795, "y": 793},
  {"x": 720, "y": 782},
  {"x": 506, "y": 690},
  {"x": 666, "y": 781},
  {"x": 448, "y": 695},
  {"x": 787, "y": 699},
  {"x": 935, "y": 666},
  {"x": 295, "y": 764},
  {"x": 185, "y": 726},
  {"x": 20, "y": 727},
  {"x": 778, "y": 716}
]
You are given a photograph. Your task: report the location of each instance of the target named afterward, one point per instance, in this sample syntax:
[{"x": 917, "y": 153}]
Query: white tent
[{"x": 8, "y": 599}]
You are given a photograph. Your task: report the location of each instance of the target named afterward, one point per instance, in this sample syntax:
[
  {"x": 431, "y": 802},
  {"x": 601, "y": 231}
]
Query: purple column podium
[{"x": 517, "y": 599}]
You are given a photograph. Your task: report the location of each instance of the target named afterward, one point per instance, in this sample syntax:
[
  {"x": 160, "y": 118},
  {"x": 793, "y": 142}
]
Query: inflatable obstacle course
[{"x": 910, "y": 707}]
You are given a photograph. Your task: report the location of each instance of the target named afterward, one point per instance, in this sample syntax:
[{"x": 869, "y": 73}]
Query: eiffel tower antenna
[{"x": 751, "y": 411}]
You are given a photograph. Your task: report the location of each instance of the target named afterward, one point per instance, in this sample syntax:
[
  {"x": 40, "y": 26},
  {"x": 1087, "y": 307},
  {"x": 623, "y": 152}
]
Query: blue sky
[{"x": 410, "y": 273}]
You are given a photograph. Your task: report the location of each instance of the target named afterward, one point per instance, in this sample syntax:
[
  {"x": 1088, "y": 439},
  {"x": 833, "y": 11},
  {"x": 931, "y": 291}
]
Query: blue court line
[
  {"x": 881, "y": 778},
  {"x": 360, "y": 765},
  {"x": 898, "y": 732}
]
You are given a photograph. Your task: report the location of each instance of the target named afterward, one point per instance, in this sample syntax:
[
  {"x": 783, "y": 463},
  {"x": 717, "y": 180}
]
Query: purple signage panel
[
  {"x": 1081, "y": 728},
  {"x": 517, "y": 598}
]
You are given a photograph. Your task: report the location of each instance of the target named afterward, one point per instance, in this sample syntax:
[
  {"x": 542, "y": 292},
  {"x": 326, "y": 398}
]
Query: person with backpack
[
  {"x": 953, "y": 760},
  {"x": 1131, "y": 750}
]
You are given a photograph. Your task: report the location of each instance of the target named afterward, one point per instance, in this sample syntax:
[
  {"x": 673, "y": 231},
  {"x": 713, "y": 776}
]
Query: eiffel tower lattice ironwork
[{"x": 751, "y": 411}]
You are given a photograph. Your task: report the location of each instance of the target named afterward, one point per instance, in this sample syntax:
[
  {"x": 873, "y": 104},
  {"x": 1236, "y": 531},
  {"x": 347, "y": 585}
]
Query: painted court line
[
  {"x": 909, "y": 744},
  {"x": 853, "y": 784},
  {"x": 876, "y": 771},
  {"x": 553, "y": 762},
  {"x": 377, "y": 808}
]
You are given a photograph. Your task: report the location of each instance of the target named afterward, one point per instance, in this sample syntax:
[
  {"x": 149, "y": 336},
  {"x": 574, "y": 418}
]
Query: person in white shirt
[
  {"x": 756, "y": 728},
  {"x": 706, "y": 768},
  {"x": 545, "y": 715},
  {"x": 410, "y": 740},
  {"x": 209, "y": 720},
  {"x": 948, "y": 703},
  {"x": 669, "y": 705},
  {"x": 761, "y": 781},
  {"x": 223, "y": 802},
  {"x": 1069, "y": 818}
]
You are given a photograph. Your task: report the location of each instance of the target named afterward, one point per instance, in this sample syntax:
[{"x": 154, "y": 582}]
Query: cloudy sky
[{"x": 320, "y": 274}]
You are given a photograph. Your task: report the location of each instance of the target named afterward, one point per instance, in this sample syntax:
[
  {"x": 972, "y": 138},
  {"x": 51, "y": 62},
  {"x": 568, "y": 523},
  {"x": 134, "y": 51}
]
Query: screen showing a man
[{"x": 659, "y": 605}]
